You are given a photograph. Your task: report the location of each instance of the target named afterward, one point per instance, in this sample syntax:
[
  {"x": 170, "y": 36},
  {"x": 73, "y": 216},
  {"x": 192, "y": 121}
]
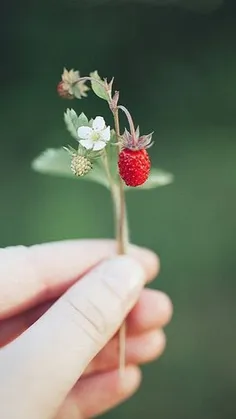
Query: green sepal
[
  {"x": 82, "y": 120},
  {"x": 98, "y": 88},
  {"x": 70, "y": 150},
  {"x": 73, "y": 121}
]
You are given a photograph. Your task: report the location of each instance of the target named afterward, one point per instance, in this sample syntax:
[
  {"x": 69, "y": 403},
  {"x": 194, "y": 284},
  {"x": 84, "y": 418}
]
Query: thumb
[{"x": 44, "y": 363}]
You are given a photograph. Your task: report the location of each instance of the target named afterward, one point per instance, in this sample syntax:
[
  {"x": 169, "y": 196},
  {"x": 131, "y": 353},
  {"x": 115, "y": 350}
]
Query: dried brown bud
[
  {"x": 71, "y": 86},
  {"x": 62, "y": 92}
]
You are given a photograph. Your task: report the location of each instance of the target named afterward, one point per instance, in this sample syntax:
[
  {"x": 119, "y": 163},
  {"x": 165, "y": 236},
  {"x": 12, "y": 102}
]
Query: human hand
[{"x": 60, "y": 307}]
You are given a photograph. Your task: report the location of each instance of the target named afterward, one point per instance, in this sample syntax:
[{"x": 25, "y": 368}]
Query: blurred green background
[{"x": 176, "y": 69}]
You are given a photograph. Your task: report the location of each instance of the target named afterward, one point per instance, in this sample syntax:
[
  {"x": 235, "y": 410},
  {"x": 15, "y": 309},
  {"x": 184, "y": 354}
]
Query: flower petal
[
  {"x": 99, "y": 145},
  {"x": 84, "y": 132},
  {"x": 105, "y": 134},
  {"x": 99, "y": 123},
  {"x": 87, "y": 143}
]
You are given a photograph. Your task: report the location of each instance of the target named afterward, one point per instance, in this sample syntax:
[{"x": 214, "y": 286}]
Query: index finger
[{"x": 31, "y": 275}]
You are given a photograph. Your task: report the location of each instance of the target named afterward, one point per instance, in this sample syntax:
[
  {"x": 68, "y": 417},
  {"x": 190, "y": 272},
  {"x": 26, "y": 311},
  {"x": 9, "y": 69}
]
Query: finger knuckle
[{"x": 88, "y": 317}]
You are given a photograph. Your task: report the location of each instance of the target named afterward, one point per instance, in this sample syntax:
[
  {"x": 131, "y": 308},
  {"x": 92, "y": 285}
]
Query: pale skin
[{"x": 61, "y": 305}]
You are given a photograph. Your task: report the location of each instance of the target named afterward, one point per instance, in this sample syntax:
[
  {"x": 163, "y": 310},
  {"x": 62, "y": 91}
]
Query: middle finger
[{"x": 152, "y": 311}]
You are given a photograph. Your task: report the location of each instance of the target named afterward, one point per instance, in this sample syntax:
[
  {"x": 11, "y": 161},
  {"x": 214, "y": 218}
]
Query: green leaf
[
  {"x": 157, "y": 178},
  {"x": 98, "y": 89},
  {"x": 73, "y": 121},
  {"x": 82, "y": 120},
  {"x": 56, "y": 162}
]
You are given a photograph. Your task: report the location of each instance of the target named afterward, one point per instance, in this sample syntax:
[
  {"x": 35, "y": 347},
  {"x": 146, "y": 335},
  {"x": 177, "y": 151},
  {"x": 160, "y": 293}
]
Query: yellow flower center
[{"x": 95, "y": 136}]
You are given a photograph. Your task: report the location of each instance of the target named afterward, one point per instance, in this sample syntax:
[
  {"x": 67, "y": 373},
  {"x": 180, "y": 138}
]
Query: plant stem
[
  {"x": 130, "y": 120},
  {"x": 122, "y": 242},
  {"x": 118, "y": 197},
  {"x": 122, "y": 237}
]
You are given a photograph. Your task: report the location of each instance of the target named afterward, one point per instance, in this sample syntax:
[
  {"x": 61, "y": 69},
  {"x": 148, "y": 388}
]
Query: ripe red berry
[{"x": 134, "y": 166}]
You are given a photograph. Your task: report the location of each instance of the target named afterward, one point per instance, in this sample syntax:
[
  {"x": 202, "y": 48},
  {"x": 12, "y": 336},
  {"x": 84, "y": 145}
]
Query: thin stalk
[
  {"x": 117, "y": 194},
  {"x": 118, "y": 197},
  {"x": 130, "y": 120},
  {"x": 88, "y": 79},
  {"x": 122, "y": 238},
  {"x": 122, "y": 242}
]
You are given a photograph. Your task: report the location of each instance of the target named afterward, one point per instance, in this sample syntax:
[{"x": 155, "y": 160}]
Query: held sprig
[
  {"x": 94, "y": 138},
  {"x": 104, "y": 155}
]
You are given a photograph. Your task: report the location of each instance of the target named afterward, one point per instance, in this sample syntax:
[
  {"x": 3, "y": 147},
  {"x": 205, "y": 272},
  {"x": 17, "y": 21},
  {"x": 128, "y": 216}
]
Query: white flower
[{"x": 94, "y": 138}]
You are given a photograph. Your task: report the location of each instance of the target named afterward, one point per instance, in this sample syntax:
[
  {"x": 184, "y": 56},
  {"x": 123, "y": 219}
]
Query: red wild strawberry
[
  {"x": 134, "y": 162},
  {"x": 134, "y": 166}
]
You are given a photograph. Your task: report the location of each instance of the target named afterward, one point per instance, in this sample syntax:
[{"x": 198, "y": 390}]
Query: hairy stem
[
  {"x": 122, "y": 242},
  {"x": 130, "y": 120},
  {"x": 118, "y": 198},
  {"x": 122, "y": 236}
]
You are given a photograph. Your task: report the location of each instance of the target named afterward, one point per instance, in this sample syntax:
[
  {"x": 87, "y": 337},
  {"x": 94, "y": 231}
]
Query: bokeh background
[{"x": 175, "y": 64}]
